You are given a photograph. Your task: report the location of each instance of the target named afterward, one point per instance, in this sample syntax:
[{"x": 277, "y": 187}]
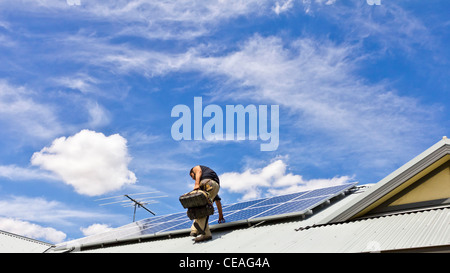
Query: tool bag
[
  {"x": 200, "y": 212},
  {"x": 198, "y": 204},
  {"x": 197, "y": 198}
]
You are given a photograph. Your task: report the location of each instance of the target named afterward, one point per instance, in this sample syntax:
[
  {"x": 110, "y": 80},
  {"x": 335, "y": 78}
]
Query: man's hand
[{"x": 221, "y": 219}]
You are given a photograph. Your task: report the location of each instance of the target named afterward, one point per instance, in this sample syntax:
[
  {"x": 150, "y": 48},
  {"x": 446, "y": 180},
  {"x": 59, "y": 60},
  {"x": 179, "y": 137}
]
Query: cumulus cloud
[
  {"x": 31, "y": 230},
  {"x": 91, "y": 162},
  {"x": 273, "y": 180},
  {"x": 95, "y": 229}
]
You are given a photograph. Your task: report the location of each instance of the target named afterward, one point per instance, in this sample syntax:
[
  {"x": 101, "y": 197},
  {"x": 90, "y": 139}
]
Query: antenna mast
[{"x": 136, "y": 203}]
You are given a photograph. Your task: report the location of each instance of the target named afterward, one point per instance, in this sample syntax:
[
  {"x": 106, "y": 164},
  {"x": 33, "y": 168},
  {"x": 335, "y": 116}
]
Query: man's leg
[
  {"x": 194, "y": 230},
  {"x": 212, "y": 188}
]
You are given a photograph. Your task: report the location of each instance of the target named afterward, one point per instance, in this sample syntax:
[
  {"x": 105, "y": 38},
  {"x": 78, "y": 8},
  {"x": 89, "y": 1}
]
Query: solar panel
[
  {"x": 299, "y": 202},
  {"x": 254, "y": 210}
]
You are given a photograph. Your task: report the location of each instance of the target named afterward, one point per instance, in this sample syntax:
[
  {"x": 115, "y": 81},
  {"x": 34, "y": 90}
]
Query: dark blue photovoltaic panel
[
  {"x": 160, "y": 219},
  {"x": 281, "y": 199},
  {"x": 184, "y": 225},
  {"x": 161, "y": 226},
  {"x": 290, "y": 207},
  {"x": 278, "y": 205},
  {"x": 250, "y": 210},
  {"x": 245, "y": 213},
  {"x": 324, "y": 191},
  {"x": 242, "y": 205}
]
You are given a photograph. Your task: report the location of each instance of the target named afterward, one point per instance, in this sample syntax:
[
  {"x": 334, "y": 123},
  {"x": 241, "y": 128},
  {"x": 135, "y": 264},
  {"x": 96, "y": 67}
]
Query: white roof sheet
[{"x": 12, "y": 243}]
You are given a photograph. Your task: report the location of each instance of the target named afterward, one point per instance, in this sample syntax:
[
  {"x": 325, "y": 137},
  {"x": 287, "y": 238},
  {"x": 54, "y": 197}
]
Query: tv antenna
[{"x": 144, "y": 199}]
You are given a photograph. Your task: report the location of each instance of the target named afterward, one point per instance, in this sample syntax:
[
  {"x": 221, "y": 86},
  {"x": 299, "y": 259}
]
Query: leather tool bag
[
  {"x": 197, "y": 203},
  {"x": 200, "y": 212},
  {"x": 195, "y": 198}
]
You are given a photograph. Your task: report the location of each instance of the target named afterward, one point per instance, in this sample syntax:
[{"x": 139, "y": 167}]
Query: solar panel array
[{"x": 277, "y": 206}]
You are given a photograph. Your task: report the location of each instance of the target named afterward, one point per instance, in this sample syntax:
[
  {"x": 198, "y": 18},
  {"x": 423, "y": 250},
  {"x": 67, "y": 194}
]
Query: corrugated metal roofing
[{"x": 419, "y": 229}]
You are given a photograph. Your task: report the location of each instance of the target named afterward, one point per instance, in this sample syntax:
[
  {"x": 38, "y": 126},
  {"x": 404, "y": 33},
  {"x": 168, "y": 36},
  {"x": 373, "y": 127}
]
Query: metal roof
[
  {"x": 329, "y": 229},
  {"x": 413, "y": 230},
  {"x": 133, "y": 232},
  {"x": 420, "y": 230},
  {"x": 13, "y": 243},
  {"x": 268, "y": 236}
]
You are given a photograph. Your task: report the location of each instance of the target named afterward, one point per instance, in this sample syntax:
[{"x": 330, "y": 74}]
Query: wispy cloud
[
  {"x": 315, "y": 79},
  {"x": 389, "y": 25},
  {"x": 318, "y": 80},
  {"x": 16, "y": 173},
  {"x": 22, "y": 113},
  {"x": 151, "y": 19},
  {"x": 81, "y": 81},
  {"x": 283, "y": 7}
]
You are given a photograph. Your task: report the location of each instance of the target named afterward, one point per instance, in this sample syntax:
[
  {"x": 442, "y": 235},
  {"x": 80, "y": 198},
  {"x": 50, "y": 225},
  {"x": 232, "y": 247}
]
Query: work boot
[
  {"x": 193, "y": 234},
  {"x": 202, "y": 238}
]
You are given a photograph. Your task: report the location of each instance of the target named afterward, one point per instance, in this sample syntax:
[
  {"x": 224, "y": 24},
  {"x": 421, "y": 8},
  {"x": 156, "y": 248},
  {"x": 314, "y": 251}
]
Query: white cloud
[
  {"x": 280, "y": 8},
  {"x": 391, "y": 26},
  {"x": 180, "y": 19},
  {"x": 95, "y": 229},
  {"x": 91, "y": 162},
  {"x": 30, "y": 230},
  {"x": 318, "y": 82},
  {"x": 272, "y": 180},
  {"x": 98, "y": 116},
  {"x": 82, "y": 82}
]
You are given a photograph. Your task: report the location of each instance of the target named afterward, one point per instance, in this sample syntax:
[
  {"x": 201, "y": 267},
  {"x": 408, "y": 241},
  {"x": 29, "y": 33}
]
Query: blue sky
[{"x": 87, "y": 89}]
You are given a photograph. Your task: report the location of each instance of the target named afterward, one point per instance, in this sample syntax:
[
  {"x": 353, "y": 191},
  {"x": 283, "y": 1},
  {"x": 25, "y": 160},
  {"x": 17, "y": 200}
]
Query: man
[{"x": 206, "y": 180}]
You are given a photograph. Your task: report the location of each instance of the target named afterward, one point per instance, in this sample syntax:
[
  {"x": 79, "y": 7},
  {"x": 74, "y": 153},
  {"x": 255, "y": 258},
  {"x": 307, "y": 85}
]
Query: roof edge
[{"x": 438, "y": 153}]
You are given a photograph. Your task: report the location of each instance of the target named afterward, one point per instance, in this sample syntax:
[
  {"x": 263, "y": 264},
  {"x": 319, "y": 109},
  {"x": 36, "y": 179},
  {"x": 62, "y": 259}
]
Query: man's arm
[
  {"x": 219, "y": 209},
  {"x": 198, "y": 173}
]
